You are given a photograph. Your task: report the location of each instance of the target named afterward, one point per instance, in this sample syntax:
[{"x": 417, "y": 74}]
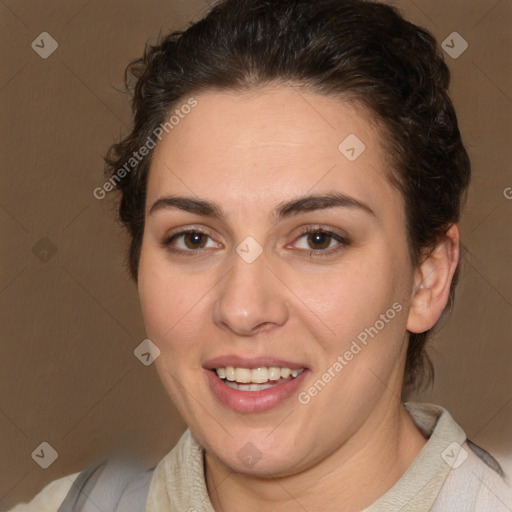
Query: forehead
[{"x": 266, "y": 144}]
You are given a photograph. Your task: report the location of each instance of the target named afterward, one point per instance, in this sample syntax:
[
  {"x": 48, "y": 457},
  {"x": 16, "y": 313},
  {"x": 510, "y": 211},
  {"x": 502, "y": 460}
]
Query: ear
[{"x": 432, "y": 281}]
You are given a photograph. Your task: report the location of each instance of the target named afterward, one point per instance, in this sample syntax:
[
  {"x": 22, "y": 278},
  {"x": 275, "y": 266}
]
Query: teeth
[
  {"x": 257, "y": 375},
  {"x": 260, "y": 375},
  {"x": 274, "y": 373},
  {"x": 230, "y": 373},
  {"x": 249, "y": 387},
  {"x": 242, "y": 375},
  {"x": 285, "y": 372}
]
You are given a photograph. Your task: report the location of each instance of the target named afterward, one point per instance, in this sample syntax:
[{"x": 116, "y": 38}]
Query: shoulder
[
  {"x": 451, "y": 472},
  {"x": 50, "y": 497},
  {"x": 118, "y": 484},
  {"x": 475, "y": 482}
]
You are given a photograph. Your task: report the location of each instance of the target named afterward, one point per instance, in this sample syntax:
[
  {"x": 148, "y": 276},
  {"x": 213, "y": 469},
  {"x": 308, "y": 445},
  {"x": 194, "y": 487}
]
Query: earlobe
[{"x": 432, "y": 282}]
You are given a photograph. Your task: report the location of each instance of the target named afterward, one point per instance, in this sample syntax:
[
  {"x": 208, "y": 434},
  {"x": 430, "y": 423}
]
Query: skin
[{"x": 248, "y": 152}]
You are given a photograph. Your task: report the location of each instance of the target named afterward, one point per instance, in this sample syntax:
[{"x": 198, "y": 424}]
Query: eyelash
[{"x": 343, "y": 242}]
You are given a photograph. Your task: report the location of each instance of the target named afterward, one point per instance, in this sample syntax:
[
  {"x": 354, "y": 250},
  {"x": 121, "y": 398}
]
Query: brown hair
[{"x": 363, "y": 50}]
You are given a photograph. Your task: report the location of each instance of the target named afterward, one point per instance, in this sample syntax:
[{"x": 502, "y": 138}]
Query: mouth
[
  {"x": 254, "y": 385},
  {"x": 256, "y": 379}
]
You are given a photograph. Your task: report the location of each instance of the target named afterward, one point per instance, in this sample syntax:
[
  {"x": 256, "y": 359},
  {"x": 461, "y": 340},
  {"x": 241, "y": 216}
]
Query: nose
[{"x": 250, "y": 298}]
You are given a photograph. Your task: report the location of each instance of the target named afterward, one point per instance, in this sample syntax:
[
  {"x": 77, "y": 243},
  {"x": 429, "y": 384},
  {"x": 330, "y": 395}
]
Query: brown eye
[
  {"x": 319, "y": 240},
  {"x": 194, "y": 240},
  {"x": 188, "y": 241}
]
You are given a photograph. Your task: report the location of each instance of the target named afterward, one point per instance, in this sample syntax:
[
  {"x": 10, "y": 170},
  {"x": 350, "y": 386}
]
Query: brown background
[{"x": 70, "y": 320}]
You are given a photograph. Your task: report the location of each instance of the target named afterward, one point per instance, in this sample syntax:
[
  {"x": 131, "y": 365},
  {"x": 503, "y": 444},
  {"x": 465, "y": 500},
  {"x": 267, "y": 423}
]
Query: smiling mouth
[{"x": 256, "y": 379}]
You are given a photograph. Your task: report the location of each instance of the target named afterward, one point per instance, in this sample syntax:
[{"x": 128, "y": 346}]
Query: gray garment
[
  {"x": 120, "y": 487},
  {"x": 477, "y": 485},
  {"x": 109, "y": 486}
]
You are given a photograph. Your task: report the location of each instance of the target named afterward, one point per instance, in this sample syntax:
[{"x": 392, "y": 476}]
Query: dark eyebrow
[
  {"x": 320, "y": 202},
  {"x": 283, "y": 210},
  {"x": 188, "y": 204}
]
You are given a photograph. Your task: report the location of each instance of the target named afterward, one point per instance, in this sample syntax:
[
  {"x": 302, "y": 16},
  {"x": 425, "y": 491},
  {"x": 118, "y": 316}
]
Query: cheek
[
  {"x": 171, "y": 323},
  {"x": 361, "y": 333},
  {"x": 154, "y": 300},
  {"x": 352, "y": 297},
  {"x": 165, "y": 299},
  {"x": 176, "y": 309}
]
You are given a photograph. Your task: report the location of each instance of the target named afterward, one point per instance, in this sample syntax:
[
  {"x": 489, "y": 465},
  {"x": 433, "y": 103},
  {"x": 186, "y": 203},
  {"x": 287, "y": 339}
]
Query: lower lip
[{"x": 253, "y": 401}]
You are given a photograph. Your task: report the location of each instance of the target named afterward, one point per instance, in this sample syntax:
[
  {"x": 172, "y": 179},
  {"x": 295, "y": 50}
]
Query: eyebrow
[{"x": 282, "y": 210}]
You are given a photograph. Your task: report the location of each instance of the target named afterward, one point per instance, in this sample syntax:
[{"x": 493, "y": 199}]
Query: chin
[
  {"x": 264, "y": 467},
  {"x": 256, "y": 456}
]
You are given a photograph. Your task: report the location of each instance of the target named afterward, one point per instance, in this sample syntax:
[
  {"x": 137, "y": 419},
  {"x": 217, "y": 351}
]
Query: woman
[{"x": 292, "y": 187}]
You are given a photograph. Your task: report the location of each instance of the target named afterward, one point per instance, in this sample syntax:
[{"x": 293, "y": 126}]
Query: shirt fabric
[{"x": 450, "y": 473}]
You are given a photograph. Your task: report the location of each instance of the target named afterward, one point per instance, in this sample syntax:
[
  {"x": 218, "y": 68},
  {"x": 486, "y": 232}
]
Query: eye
[
  {"x": 189, "y": 240},
  {"x": 322, "y": 242}
]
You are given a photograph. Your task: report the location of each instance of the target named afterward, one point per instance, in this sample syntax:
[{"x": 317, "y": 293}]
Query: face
[{"x": 248, "y": 291}]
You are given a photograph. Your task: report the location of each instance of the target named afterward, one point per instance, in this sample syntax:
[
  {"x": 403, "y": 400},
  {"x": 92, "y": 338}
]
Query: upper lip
[{"x": 250, "y": 362}]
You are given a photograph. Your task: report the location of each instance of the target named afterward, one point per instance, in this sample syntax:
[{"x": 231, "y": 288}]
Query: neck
[{"x": 351, "y": 478}]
